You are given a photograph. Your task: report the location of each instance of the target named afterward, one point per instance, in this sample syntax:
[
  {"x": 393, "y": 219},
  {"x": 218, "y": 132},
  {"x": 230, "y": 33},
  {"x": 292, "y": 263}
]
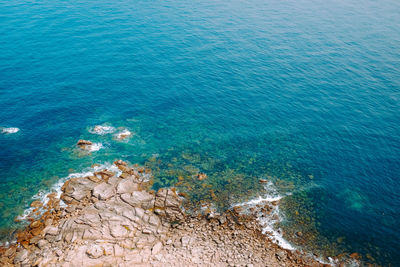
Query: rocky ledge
[{"x": 111, "y": 220}]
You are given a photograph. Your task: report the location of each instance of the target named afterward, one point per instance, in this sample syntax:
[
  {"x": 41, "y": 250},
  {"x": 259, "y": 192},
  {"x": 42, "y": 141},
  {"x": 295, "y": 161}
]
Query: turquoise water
[{"x": 304, "y": 93}]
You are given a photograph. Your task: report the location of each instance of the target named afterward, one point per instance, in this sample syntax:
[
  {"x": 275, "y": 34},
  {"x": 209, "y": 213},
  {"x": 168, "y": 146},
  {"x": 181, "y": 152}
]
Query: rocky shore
[{"x": 117, "y": 220}]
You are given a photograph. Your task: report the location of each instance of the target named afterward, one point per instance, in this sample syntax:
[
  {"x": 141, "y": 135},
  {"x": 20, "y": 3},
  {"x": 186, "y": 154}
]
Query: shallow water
[{"x": 305, "y": 94}]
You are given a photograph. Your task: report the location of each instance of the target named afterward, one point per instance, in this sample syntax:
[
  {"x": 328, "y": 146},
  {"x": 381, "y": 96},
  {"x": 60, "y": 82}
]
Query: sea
[{"x": 304, "y": 94}]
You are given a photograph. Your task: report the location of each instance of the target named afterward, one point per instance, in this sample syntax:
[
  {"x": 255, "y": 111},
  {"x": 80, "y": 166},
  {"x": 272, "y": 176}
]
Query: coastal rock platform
[{"x": 111, "y": 220}]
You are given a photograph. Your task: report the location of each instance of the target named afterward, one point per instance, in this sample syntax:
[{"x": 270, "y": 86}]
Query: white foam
[
  {"x": 102, "y": 129},
  {"x": 10, "y": 130},
  {"x": 269, "y": 221},
  {"x": 95, "y": 147},
  {"x": 123, "y": 134}
]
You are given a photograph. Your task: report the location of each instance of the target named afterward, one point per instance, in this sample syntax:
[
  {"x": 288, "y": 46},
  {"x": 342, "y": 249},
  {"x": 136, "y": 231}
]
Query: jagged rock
[
  {"x": 104, "y": 174},
  {"x": 127, "y": 186},
  {"x": 21, "y": 256},
  {"x": 50, "y": 230},
  {"x": 94, "y": 179},
  {"x": 103, "y": 191},
  {"x": 139, "y": 199}
]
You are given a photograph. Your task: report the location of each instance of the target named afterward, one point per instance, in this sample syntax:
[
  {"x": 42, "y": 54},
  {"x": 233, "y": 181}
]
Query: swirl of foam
[
  {"x": 10, "y": 130},
  {"x": 123, "y": 134},
  {"x": 102, "y": 129}
]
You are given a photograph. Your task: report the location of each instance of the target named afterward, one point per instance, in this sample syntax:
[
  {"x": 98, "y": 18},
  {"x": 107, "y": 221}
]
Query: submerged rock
[
  {"x": 124, "y": 134},
  {"x": 201, "y": 176}
]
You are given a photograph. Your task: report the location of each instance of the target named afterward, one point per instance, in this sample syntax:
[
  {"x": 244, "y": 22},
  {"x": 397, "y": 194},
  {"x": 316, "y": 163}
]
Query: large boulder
[
  {"x": 139, "y": 199},
  {"x": 127, "y": 185},
  {"x": 103, "y": 191}
]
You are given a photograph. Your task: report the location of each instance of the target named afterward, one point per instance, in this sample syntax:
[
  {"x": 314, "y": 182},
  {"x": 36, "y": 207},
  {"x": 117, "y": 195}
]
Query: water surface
[{"x": 304, "y": 93}]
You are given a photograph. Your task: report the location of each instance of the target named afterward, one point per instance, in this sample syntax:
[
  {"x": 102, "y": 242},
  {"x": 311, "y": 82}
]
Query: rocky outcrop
[
  {"x": 84, "y": 144},
  {"x": 106, "y": 218},
  {"x": 114, "y": 221}
]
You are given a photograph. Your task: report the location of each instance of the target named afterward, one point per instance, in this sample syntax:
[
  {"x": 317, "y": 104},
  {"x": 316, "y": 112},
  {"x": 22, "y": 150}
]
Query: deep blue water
[{"x": 310, "y": 89}]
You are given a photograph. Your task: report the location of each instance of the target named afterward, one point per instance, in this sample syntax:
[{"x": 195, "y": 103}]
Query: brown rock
[
  {"x": 36, "y": 231},
  {"x": 124, "y": 175},
  {"x": 201, "y": 176},
  {"x": 35, "y": 224},
  {"x": 84, "y": 142},
  {"x": 94, "y": 179},
  {"x": 10, "y": 252},
  {"x": 36, "y": 204},
  {"x": 104, "y": 174},
  {"x": 355, "y": 255}
]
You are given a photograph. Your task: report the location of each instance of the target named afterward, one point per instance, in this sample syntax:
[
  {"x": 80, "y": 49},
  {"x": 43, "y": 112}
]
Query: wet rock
[
  {"x": 275, "y": 203},
  {"x": 123, "y": 134},
  {"x": 35, "y": 224},
  {"x": 201, "y": 176},
  {"x": 84, "y": 144},
  {"x": 36, "y": 204}
]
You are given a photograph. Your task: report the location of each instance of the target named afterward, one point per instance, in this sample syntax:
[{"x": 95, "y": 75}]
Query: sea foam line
[
  {"x": 268, "y": 221},
  {"x": 10, "y": 130},
  {"x": 102, "y": 129}
]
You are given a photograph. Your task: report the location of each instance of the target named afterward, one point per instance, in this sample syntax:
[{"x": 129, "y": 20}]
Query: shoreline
[{"x": 114, "y": 217}]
